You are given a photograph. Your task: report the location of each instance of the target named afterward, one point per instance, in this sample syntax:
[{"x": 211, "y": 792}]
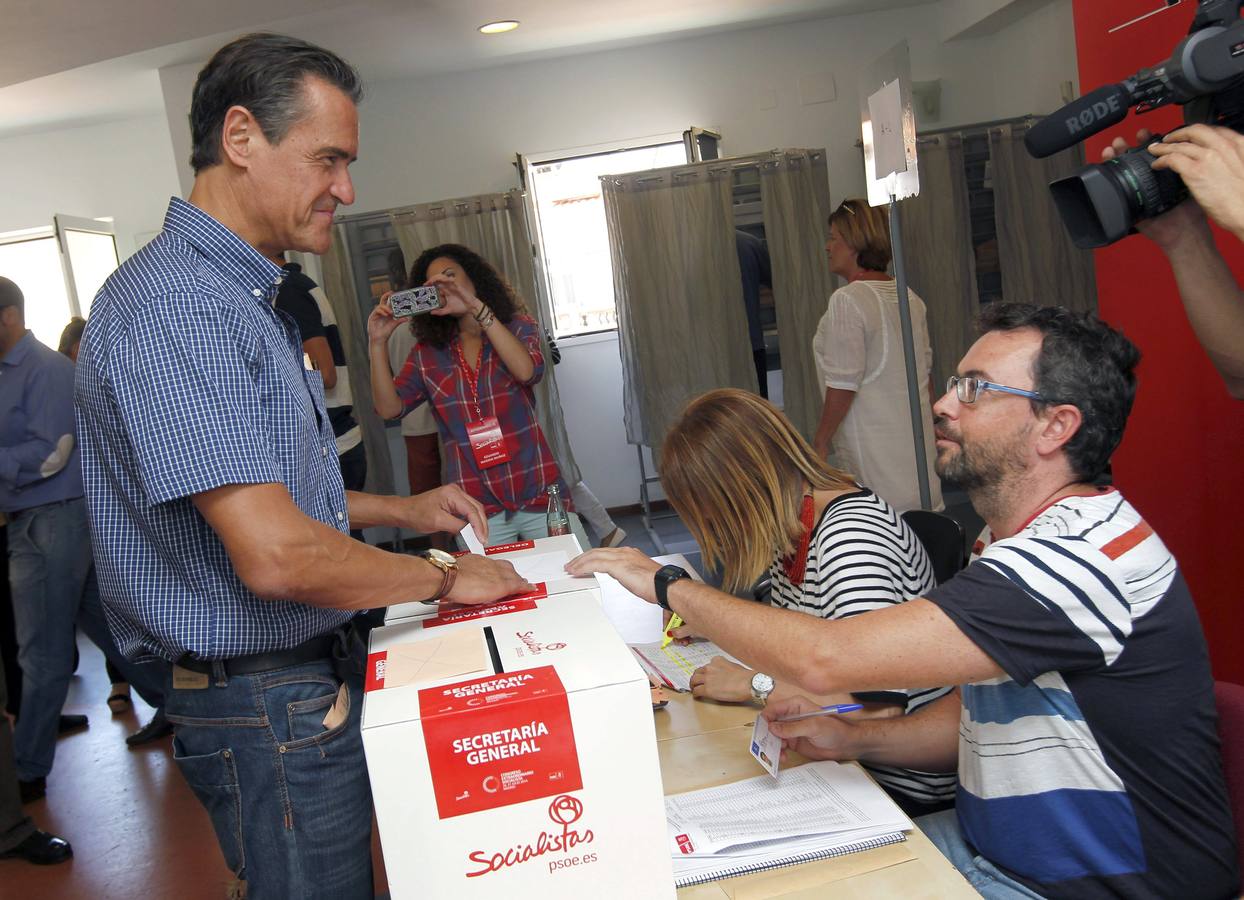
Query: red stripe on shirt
[{"x": 1127, "y": 540}]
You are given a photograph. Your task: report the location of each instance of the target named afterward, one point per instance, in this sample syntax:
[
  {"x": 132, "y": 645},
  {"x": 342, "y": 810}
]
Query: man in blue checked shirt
[{"x": 216, "y": 502}]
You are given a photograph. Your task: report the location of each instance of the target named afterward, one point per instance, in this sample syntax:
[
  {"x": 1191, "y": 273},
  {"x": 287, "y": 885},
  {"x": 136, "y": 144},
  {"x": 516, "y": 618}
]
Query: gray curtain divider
[
  {"x": 794, "y": 191},
  {"x": 338, "y": 283},
  {"x": 495, "y": 227},
  {"x": 937, "y": 244},
  {"x": 681, "y": 325},
  {"x": 1039, "y": 263}
]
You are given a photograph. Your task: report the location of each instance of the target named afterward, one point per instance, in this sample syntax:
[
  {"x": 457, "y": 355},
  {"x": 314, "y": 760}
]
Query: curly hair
[
  {"x": 1083, "y": 362},
  {"x": 490, "y": 287}
]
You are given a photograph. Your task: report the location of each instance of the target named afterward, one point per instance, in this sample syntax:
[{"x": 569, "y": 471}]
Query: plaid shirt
[
  {"x": 190, "y": 380},
  {"x": 434, "y": 374}
]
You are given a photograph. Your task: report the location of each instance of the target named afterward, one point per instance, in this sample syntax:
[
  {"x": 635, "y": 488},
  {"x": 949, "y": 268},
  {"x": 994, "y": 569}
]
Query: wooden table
[{"x": 703, "y": 744}]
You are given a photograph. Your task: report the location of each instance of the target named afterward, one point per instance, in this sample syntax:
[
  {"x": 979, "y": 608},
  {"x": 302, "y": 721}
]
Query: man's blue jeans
[
  {"x": 289, "y": 797},
  {"x": 52, "y": 576},
  {"x": 942, "y": 828}
]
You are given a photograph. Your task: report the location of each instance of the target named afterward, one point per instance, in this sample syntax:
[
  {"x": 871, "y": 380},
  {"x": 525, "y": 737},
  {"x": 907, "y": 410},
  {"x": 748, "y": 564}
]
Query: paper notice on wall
[
  {"x": 885, "y": 110},
  {"x": 458, "y": 654}
]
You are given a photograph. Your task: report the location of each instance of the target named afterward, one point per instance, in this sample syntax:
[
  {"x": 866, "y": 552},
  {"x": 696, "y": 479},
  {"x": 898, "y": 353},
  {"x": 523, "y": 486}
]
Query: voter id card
[{"x": 766, "y": 746}]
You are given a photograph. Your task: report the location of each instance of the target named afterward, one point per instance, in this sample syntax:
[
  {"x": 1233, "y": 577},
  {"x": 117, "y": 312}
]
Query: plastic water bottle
[{"x": 558, "y": 520}]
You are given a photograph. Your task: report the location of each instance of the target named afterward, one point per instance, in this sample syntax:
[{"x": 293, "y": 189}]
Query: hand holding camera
[
  {"x": 1210, "y": 160},
  {"x": 1204, "y": 74}
]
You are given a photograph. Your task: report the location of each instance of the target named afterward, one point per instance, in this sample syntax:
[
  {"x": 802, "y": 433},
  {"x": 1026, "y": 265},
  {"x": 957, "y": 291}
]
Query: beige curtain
[
  {"x": 794, "y": 191},
  {"x": 938, "y": 252},
  {"x": 1039, "y": 263},
  {"x": 495, "y": 227},
  {"x": 339, "y": 285},
  {"x": 682, "y": 328}
]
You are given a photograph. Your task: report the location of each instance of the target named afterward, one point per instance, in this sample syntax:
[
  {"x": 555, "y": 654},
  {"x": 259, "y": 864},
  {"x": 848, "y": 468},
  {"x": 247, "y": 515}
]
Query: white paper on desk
[
  {"x": 474, "y": 544},
  {"x": 673, "y": 664},
  {"x": 814, "y": 799}
]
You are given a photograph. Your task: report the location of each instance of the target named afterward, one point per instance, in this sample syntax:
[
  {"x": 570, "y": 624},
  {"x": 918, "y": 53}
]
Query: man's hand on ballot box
[{"x": 482, "y": 579}]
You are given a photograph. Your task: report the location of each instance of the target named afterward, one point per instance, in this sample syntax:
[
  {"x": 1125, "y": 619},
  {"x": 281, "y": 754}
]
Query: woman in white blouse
[{"x": 865, "y": 425}]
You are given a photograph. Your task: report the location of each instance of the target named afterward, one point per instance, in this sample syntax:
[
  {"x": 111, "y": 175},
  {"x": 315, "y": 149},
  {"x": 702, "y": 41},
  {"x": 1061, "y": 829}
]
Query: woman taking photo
[
  {"x": 865, "y": 425},
  {"x": 758, "y": 499},
  {"x": 475, "y": 361}
]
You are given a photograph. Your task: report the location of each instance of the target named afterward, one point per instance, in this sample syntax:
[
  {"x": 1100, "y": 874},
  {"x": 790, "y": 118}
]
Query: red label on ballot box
[
  {"x": 509, "y": 548},
  {"x": 374, "y": 679},
  {"x": 499, "y": 740},
  {"x": 520, "y": 603}
]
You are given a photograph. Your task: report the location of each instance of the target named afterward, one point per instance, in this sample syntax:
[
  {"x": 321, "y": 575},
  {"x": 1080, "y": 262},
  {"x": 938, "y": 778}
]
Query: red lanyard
[
  {"x": 797, "y": 563},
  {"x": 472, "y": 383}
]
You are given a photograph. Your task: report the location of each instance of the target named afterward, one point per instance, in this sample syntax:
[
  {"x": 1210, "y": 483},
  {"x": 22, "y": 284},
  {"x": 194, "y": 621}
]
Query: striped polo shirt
[{"x": 1091, "y": 768}]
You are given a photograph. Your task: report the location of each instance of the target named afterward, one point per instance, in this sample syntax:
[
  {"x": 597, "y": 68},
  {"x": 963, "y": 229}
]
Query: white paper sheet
[{"x": 673, "y": 665}]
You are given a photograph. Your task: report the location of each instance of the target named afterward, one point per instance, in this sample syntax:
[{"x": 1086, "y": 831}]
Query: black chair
[{"x": 942, "y": 537}]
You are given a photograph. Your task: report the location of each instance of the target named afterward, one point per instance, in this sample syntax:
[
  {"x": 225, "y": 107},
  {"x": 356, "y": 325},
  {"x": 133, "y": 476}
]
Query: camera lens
[{"x": 1102, "y": 203}]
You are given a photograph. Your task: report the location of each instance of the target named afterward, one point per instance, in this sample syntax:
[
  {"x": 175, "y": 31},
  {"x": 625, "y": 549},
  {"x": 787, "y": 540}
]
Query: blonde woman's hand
[{"x": 723, "y": 680}]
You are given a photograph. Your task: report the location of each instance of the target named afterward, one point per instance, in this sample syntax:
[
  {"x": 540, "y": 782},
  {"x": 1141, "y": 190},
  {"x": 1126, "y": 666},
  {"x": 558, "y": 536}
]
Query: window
[
  {"x": 570, "y": 227},
  {"x": 31, "y": 260},
  {"x": 58, "y": 278}
]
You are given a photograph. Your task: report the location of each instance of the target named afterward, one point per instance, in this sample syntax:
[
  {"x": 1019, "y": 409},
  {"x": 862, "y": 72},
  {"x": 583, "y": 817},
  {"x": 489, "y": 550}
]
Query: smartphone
[{"x": 415, "y": 301}]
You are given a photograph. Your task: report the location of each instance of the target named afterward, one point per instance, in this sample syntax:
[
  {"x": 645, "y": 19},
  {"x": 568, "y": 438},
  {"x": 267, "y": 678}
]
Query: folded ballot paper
[{"x": 809, "y": 812}]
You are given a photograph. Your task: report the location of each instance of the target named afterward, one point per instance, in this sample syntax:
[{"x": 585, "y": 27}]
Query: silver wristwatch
[{"x": 762, "y": 687}]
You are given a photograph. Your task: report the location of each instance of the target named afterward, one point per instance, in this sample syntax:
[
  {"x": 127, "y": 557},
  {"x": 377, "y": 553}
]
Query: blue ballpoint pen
[{"x": 834, "y": 710}]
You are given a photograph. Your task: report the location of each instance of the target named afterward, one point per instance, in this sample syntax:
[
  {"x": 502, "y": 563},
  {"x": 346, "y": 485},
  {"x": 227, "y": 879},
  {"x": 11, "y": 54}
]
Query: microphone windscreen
[{"x": 1077, "y": 120}]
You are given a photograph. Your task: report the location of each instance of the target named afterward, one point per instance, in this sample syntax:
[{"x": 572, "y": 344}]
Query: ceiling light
[{"x": 499, "y": 27}]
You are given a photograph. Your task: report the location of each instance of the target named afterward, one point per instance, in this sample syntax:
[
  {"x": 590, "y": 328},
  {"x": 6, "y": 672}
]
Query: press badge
[{"x": 487, "y": 442}]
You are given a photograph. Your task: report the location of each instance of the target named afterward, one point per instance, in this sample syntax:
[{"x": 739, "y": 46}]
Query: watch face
[
  {"x": 440, "y": 556},
  {"x": 762, "y": 683}
]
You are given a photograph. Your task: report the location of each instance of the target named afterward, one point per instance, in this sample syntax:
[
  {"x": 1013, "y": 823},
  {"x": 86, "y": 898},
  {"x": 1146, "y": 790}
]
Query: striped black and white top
[{"x": 863, "y": 556}]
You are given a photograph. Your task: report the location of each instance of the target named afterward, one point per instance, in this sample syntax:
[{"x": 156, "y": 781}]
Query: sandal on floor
[{"x": 119, "y": 700}]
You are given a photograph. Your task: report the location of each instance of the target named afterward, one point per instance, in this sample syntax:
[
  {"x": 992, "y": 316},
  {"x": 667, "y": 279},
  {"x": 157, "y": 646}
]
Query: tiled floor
[{"x": 136, "y": 829}]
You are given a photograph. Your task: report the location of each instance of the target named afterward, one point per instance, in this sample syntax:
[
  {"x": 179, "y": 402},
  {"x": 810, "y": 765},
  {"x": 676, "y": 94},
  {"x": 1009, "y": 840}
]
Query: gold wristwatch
[{"x": 449, "y": 571}]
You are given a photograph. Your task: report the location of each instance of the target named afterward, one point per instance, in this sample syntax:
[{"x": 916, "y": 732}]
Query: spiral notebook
[{"x": 811, "y": 812}]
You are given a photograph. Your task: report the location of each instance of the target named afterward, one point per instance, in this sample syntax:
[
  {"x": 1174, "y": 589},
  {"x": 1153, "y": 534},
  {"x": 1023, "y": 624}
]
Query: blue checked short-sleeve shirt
[{"x": 188, "y": 380}]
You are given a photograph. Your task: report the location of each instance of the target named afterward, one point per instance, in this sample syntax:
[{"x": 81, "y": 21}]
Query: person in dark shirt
[{"x": 755, "y": 270}]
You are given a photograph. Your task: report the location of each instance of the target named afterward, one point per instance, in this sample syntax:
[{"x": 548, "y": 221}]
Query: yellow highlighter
[{"x": 666, "y": 637}]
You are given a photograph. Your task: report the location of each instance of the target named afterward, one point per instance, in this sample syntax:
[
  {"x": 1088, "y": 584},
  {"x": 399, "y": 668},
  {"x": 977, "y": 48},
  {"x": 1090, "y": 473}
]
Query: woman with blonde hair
[
  {"x": 757, "y": 498},
  {"x": 865, "y": 424}
]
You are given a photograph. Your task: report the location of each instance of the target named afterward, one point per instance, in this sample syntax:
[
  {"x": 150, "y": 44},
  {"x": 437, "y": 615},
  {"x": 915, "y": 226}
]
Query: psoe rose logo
[
  {"x": 564, "y": 811},
  {"x": 535, "y": 647}
]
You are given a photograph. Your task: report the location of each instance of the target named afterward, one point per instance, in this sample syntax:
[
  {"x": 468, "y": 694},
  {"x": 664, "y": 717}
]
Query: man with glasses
[{"x": 1084, "y": 724}]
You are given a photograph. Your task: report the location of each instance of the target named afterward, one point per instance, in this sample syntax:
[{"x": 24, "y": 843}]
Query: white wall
[
  {"x": 457, "y": 134},
  {"x": 121, "y": 169}
]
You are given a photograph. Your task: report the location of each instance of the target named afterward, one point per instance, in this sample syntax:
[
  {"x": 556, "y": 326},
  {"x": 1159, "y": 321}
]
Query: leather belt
[{"x": 319, "y": 647}]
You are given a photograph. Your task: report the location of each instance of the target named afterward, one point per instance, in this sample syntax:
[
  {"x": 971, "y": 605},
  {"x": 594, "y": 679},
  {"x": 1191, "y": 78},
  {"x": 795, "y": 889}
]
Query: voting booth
[{"x": 512, "y": 753}]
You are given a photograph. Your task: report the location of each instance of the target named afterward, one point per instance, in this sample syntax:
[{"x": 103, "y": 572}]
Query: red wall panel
[{"x": 1179, "y": 461}]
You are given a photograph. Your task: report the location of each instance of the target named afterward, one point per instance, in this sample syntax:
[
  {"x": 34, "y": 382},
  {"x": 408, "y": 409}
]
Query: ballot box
[
  {"x": 540, "y": 561},
  {"x": 512, "y": 753}
]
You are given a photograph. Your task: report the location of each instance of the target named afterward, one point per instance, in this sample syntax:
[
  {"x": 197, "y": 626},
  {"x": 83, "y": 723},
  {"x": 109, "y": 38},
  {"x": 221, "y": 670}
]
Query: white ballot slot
[{"x": 512, "y": 753}]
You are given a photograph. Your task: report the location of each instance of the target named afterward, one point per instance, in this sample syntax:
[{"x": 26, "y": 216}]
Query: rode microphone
[{"x": 1077, "y": 120}]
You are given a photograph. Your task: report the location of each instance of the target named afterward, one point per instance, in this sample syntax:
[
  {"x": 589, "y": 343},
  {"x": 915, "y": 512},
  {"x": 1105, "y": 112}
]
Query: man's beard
[{"x": 979, "y": 468}]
